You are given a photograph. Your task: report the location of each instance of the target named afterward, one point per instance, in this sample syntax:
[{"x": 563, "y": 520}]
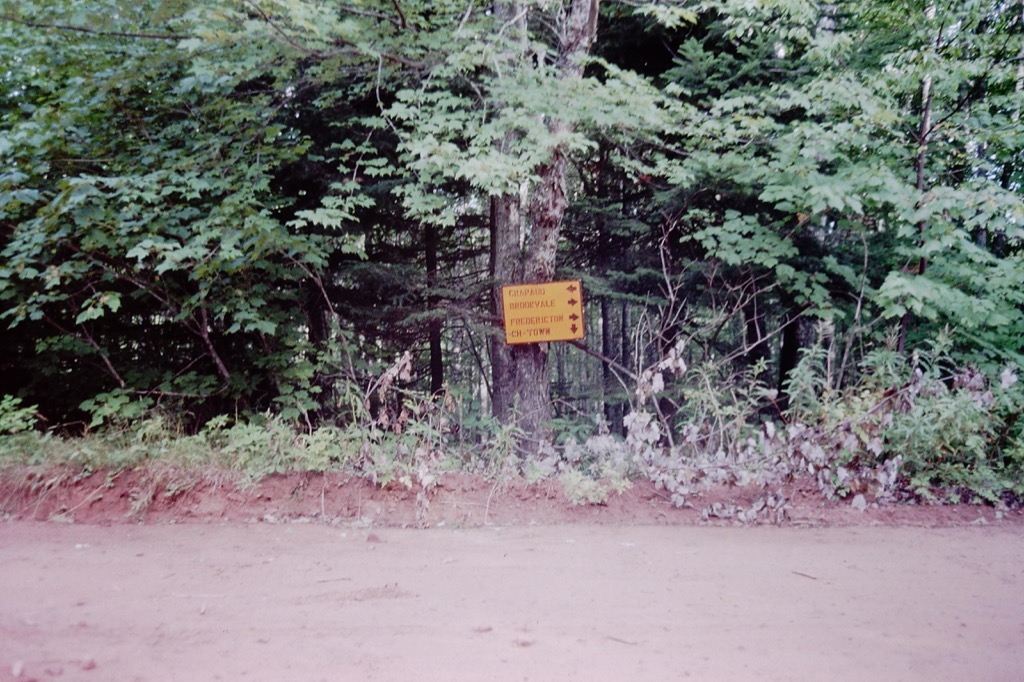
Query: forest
[{"x": 278, "y": 230}]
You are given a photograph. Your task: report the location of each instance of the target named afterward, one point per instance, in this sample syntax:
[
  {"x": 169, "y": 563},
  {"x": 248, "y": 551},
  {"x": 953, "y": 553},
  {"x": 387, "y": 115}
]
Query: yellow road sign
[{"x": 545, "y": 311}]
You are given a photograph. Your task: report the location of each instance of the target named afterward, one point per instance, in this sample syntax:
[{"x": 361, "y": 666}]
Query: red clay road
[{"x": 307, "y": 602}]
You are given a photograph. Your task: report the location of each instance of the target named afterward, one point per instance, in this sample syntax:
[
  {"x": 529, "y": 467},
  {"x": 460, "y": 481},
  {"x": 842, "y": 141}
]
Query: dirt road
[{"x": 309, "y": 602}]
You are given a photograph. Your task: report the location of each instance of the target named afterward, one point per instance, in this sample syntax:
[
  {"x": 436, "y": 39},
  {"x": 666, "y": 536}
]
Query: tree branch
[
  {"x": 320, "y": 54},
  {"x": 87, "y": 337},
  {"x": 401, "y": 15},
  {"x": 603, "y": 358},
  {"x": 91, "y": 31},
  {"x": 203, "y": 328}
]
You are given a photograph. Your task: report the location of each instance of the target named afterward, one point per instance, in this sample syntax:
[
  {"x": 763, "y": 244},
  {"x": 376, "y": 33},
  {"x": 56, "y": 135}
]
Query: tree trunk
[
  {"x": 318, "y": 323},
  {"x": 755, "y": 336},
  {"x": 613, "y": 407},
  {"x": 521, "y": 383},
  {"x": 789, "y": 349},
  {"x": 435, "y": 327},
  {"x": 506, "y": 240},
  {"x": 504, "y": 267},
  {"x": 924, "y": 132},
  {"x": 521, "y": 388},
  {"x": 625, "y": 347}
]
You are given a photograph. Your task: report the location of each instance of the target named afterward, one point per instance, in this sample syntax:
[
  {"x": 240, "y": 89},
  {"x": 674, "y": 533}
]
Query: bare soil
[{"x": 159, "y": 575}]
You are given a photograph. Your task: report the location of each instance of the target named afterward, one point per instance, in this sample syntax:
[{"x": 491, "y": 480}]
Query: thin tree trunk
[
  {"x": 506, "y": 239},
  {"x": 431, "y": 238},
  {"x": 202, "y": 326},
  {"x": 608, "y": 351},
  {"x": 924, "y": 132},
  {"x": 789, "y": 350},
  {"x": 318, "y": 324},
  {"x": 755, "y": 335},
  {"x": 504, "y": 267},
  {"x": 626, "y": 349}
]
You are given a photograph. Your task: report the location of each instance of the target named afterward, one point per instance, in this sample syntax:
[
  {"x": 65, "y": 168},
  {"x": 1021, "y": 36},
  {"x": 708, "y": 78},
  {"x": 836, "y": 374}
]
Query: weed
[
  {"x": 908, "y": 428},
  {"x": 581, "y": 489},
  {"x": 14, "y": 418}
]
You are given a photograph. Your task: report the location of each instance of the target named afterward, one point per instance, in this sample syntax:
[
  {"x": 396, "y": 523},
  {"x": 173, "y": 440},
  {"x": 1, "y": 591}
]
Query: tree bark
[
  {"x": 521, "y": 383},
  {"x": 924, "y": 132},
  {"x": 431, "y": 240},
  {"x": 611, "y": 416},
  {"x": 755, "y": 335},
  {"x": 504, "y": 266},
  {"x": 318, "y": 323},
  {"x": 625, "y": 348},
  {"x": 789, "y": 348}
]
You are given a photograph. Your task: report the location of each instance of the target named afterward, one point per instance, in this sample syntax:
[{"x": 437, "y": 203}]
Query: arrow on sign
[
  {"x": 574, "y": 317},
  {"x": 571, "y": 288},
  {"x": 574, "y": 328},
  {"x": 573, "y": 301}
]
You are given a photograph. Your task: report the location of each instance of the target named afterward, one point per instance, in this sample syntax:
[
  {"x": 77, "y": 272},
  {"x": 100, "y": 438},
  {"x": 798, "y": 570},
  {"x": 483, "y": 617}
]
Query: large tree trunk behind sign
[
  {"x": 521, "y": 390},
  {"x": 521, "y": 385}
]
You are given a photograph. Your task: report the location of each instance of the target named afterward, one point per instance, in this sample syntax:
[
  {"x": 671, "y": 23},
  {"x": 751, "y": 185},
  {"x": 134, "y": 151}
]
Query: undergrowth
[{"x": 908, "y": 428}]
